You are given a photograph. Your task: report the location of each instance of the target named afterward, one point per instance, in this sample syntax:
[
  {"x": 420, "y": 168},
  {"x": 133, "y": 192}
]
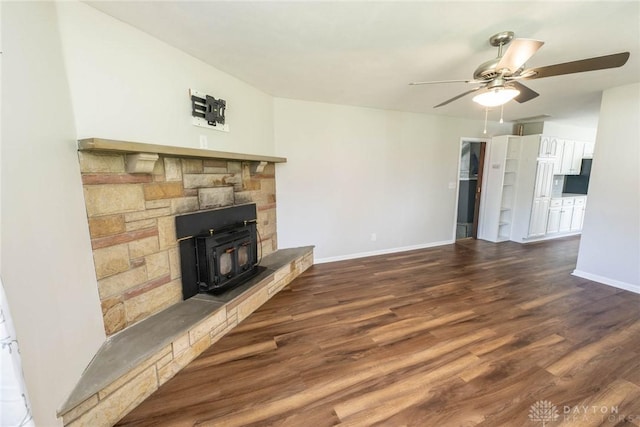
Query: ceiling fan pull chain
[
  {"x": 501, "y": 113},
  {"x": 486, "y": 115}
]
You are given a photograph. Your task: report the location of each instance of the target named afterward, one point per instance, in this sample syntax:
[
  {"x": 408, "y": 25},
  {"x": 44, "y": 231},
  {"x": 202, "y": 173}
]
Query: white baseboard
[
  {"x": 607, "y": 281},
  {"x": 381, "y": 252}
]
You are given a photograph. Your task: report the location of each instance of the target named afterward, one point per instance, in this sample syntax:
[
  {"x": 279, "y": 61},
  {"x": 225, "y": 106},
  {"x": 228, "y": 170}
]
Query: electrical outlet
[
  {"x": 374, "y": 237},
  {"x": 203, "y": 141}
]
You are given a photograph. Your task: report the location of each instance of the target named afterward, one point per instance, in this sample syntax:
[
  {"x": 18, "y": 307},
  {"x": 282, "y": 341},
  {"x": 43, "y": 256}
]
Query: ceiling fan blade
[
  {"x": 458, "y": 97},
  {"x": 519, "y": 52},
  {"x": 526, "y": 94},
  {"x": 442, "y": 81},
  {"x": 589, "y": 64}
]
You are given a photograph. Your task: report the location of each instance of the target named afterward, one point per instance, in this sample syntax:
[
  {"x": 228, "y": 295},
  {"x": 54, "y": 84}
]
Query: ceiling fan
[{"x": 499, "y": 77}]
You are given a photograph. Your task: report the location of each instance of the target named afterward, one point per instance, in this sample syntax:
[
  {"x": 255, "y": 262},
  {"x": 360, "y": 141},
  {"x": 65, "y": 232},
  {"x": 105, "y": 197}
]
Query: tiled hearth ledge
[{"x": 132, "y": 364}]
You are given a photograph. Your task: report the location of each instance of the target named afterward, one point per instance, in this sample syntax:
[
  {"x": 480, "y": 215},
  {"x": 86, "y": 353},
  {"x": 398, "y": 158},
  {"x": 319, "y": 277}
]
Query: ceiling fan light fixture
[{"x": 496, "y": 97}]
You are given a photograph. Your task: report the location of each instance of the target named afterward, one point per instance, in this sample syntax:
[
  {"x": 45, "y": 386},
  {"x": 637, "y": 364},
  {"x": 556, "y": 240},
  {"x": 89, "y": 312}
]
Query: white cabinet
[
  {"x": 553, "y": 220},
  {"x": 498, "y": 188},
  {"x": 548, "y": 147},
  {"x": 566, "y": 214},
  {"x": 571, "y": 158},
  {"x": 539, "y": 215},
  {"x": 536, "y": 214},
  {"x": 589, "y": 147},
  {"x": 544, "y": 179},
  {"x": 577, "y": 217},
  {"x": 576, "y": 159}
]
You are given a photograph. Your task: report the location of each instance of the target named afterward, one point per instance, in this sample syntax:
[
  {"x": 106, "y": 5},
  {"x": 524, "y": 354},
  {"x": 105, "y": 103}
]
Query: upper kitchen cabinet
[
  {"x": 572, "y": 152},
  {"x": 588, "y": 150},
  {"x": 548, "y": 148}
]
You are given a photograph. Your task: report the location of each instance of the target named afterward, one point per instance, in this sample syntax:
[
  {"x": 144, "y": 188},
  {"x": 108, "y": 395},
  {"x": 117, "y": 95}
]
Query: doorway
[{"x": 469, "y": 187}]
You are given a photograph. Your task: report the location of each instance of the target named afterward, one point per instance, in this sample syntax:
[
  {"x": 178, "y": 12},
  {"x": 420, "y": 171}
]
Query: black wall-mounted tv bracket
[{"x": 210, "y": 109}]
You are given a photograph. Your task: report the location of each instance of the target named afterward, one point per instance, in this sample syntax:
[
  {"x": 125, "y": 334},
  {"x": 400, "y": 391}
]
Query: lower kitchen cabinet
[
  {"x": 578, "y": 213},
  {"x": 553, "y": 220},
  {"x": 566, "y": 214},
  {"x": 539, "y": 215}
]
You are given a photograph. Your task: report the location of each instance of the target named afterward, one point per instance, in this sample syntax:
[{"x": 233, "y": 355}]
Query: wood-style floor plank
[{"x": 470, "y": 334}]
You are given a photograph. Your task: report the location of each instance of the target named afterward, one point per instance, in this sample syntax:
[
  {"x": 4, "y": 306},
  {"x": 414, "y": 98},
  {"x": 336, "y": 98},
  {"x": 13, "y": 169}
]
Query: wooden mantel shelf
[{"x": 99, "y": 144}]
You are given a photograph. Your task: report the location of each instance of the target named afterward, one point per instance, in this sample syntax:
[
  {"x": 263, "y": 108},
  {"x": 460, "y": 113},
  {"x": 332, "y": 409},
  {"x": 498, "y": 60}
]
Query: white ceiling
[{"x": 365, "y": 53}]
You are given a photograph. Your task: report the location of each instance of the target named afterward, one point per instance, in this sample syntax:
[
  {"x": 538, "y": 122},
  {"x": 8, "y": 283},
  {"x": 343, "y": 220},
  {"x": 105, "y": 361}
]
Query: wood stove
[{"x": 218, "y": 248}]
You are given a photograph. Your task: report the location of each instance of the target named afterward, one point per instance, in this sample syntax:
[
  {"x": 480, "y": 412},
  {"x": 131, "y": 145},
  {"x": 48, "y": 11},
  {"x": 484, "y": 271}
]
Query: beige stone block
[
  {"x": 162, "y": 190},
  {"x": 268, "y": 185},
  {"x": 282, "y": 272},
  {"x": 148, "y": 303},
  {"x": 111, "y": 260},
  {"x": 113, "y": 198},
  {"x": 215, "y": 197},
  {"x": 113, "y": 315},
  {"x": 137, "y": 370},
  {"x": 167, "y": 232},
  {"x": 215, "y": 163},
  {"x": 168, "y": 371},
  {"x": 143, "y": 247},
  {"x": 222, "y": 331},
  {"x": 250, "y": 197},
  {"x": 164, "y": 361},
  {"x": 172, "y": 169},
  {"x": 101, "y": 163},
  {"x": 234, "y": 167},
  {"x": 157, "y": 264},
  {"x": 184, "y": 205},
  {"x": 174, "y": 263},
  {"x": 214, "y": 169},
  {"x": 79, "y": 409},
  {"x": 141, "y": 224},
  {"x": 157, "y": 204},
  {"x": 206, "y": 326},
  {"x": 191, "y": 166},
  {"x": 108, "y": 411},
  {"x": 180, "y": 344},
  {"x": 119, "y": 283},
  {"x": 205, "y": 180},
  {"x": 236, "y": 181},
  {"x": 106, "y": 225},
  {"x": 149, "y": 213},
  {"x": 252, "y": 303}
]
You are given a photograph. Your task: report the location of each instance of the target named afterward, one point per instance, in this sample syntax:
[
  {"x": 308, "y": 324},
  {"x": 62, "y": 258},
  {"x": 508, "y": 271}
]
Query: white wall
[
  {"x": 47, "y": 267},
  {"x": 610, "y": 244},
  {"x": 352, "y": 172},
  {"x": 69, "y": 72},
  {"x": 127, "y": 85},
  {"x": 565, "y": 131}
]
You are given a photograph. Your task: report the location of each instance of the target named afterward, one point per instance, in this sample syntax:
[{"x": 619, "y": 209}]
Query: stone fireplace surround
[{"x": 133, "y": 192}]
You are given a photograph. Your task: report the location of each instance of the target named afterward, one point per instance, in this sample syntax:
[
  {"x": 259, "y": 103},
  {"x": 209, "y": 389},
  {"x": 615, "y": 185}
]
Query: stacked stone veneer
[{"x": 132, "y": 224}]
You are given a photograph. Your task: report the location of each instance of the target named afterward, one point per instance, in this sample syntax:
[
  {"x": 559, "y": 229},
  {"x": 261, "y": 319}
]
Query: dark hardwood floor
[{"x": 471, "y": 334}]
